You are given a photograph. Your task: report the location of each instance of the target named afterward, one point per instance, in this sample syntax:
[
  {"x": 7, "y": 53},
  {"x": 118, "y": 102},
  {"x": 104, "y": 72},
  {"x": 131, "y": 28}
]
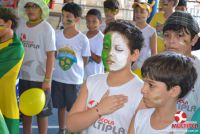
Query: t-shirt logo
[
  {"x": 23, "y": 37},
  {"x": 66, "y": 57},
  {"x": 180, "y": 117},
  {"x": 91, "y": 104}
]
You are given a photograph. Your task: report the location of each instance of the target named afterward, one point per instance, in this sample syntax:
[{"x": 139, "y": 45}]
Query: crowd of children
[{"x": 90, "y": 76}]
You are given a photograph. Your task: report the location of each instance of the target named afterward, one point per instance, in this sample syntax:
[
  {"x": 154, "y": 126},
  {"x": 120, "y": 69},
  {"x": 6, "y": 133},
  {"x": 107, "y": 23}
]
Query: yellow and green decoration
[
  {"x": 11, "y": 57},
  {"x": 106, "y": 51},
  {"x": 66, "y": 57}
]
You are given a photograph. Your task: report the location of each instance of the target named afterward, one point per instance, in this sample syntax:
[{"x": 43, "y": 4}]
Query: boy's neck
[
  {"x": 31, "y": 23},
  {"x": 141, "y": 25},
  {"x": 91, "y": 34},
  {"x": 117, "y": 78},
  {"x": 70, "y": 32},
  {"x": 165, "y": 113},
  {"x": 6, "y": 37}
]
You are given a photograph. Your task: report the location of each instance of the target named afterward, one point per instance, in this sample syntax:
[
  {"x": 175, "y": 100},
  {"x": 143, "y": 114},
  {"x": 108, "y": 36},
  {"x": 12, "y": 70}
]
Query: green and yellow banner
[{"x": 11, "y": 57}]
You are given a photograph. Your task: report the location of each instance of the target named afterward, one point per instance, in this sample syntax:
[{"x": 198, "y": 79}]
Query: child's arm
[
  {"x": 95, "y": 57},
  {"x": 46, "y": 85},
  {"x": 153, "y": 44},
  {"x": 85, "y": 60},
  {"x": 79, "y": 118},
  {"x": 131, "y": 127}
]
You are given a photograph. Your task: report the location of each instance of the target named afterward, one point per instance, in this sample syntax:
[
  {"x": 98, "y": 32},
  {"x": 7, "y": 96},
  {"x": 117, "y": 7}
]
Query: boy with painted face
[
  {"x": 72, "y": 56},
  {"x": 180, "y": 34},
  {"x": 111, "y": 9},
  {"x": 158, "y": 20},
  {"x": 95, "y": 36},
  {"x": 167, "y": 77},
  {"x": 38, "y": 38},
  {"x": 60, "y": 24},
  {"x": 142, "y": 11},
  {"x": 108, "y": 101}
]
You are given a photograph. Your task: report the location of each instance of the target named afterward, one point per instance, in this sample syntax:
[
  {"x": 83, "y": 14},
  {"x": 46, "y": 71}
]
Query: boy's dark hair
[
  {"x": 95, "y": 12},
  {"x": 111, "y": 4},
  {"x": 7, "y": 14},
  {"x": 182, "y": 21},
  {"x": 178, "y": 28},
  {"x": 171, "y": 68},
  {"x": 182, "y": 3},
  {"x": 73, "y": 8},
  {"x": 129, "y": 31}
]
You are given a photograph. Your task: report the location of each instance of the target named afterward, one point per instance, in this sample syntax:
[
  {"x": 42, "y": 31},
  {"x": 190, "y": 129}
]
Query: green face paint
[
  {"x": 106, "y": 50},
  {"x": 2, "y": 27},
  {"x": 69, "y": 21}
]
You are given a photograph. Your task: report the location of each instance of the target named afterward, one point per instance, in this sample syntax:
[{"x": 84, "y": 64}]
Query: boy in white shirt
[
  {"x": 142, "y": 11},
  {"x": 72, "y": 55},
  {"x": 180, "y": 35},
  {"x": 108, "y": 101},
  {"x": 167, "y": 77},
  {"x": 111, "y": 9},
  {"x": 38, "y": 38},
  {"x": 95, "y": 36}
]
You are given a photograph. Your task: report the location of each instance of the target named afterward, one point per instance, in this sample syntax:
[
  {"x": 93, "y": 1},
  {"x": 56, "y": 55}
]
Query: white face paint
[{"x": 119, "y": 52}]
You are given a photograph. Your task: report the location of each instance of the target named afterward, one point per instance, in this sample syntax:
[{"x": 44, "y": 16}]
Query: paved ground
[{"x": 53, "y": 125}]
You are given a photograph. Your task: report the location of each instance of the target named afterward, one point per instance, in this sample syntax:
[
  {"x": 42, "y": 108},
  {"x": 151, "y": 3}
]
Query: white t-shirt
[
  {"x": 69, "y": 65},
  {"x": 37, "y": 41},
  {"x": 145, "y": 52},
  {"x": 102, "y": 26},
  {"x": 117, "y": 122},
  {"x": 142, "y": 124},
  {"x": 191, "y": 102},
  {"x": 96, "y": 46}
]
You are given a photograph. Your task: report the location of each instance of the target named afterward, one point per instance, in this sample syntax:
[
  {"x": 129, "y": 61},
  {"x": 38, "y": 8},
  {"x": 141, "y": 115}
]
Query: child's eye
[
  {"x": 180, "y": 35},
  {"x": 151, "y": 85},
  {"x": 166, "y": 35},
  {"x": 105, "y": 48},
  {"x": 119, "y": 49}
]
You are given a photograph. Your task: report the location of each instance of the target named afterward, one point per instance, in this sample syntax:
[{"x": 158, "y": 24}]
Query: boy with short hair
[
  {"x": 180, "y": 35},
  {"x": 72, "y": 55},
  {"x": 182, "y": 5},
  {"x": 111, "y": 9},
  {"x": 167, "y": 77},
  {"x": 11, "y": 57},
  {"x": 95, "y": 36},
  {"x": 60, "y": 24},
  {"x": 168, "y": 7},
  {"x": 108, "y": 101},
  {"x": 142, "y": 11},
  {"x": 38, "y": 38}
]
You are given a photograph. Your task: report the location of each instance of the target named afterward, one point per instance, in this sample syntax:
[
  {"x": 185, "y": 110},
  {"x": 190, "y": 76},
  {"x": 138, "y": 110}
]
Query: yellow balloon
[
  {"x": 32, "y": 101},
  {"x": 138, "y": 72}
]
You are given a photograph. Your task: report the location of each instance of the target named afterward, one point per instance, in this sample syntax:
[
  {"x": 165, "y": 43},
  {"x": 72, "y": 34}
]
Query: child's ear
[
  {"x": 135, "y": 55},
  {"x": 100, "y": 22},
  {"x": 9, "y": 23},
  {"x": 77, "y": 19},
  {"x": 194, "y": 40},
  {"x": 175, "y": 91}
]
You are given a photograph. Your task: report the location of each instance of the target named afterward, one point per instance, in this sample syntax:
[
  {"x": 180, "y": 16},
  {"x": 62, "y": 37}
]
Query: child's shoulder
[
  {"x": 97, "y": 76},
  {"x": 45, "y": 27},
  {"x": 81, "y": 36},
  {"x": 144, "y": 114}
]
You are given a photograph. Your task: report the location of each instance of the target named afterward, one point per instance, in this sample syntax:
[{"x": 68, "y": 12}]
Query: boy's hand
[
  {"x": 46, "y": 85},
  {"x": 109, "y": 104}
]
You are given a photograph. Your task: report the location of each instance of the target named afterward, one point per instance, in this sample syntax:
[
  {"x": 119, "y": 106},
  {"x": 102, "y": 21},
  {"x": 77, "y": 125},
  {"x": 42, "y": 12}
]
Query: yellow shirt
[{"x": 159, "y": 19}]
